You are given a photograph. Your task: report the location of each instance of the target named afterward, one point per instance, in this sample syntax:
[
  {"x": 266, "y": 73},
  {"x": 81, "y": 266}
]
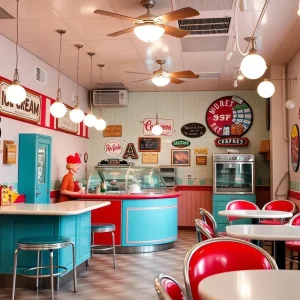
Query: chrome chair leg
[
  {"x": 92, "y": 242},
  {"x": 51, "y": 275},
  {"x": 74, "y": 267},
  {"x": 37, "y": 270},
  {"x": 114, "y": 248},
  {"x": 15, "y": 274},
  {"x": 291, "y": 260}
]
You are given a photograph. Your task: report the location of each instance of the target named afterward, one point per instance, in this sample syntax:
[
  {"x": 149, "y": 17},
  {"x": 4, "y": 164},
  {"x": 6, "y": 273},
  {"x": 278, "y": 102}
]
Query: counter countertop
[
  {"x": 57, "y": 209},
  {"x": 127, "y": 196}
]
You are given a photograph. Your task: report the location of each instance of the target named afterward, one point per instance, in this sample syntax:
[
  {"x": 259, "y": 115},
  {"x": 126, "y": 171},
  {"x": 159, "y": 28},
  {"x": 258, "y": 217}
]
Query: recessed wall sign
[
  {"x": 229, "y": 116},
  {"x": 181, "y": 143},
  {"x": 193, "y": 130},
  {"x": 130, "y": 152},
  {"x": 113, "y": 148},
  {"x": 232, "y": 142},
  {"x": 295, "y": 147}
]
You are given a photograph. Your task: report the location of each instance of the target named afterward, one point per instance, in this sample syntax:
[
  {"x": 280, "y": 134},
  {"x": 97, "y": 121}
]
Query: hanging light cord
[
  {"x": 16, "y": 75},
  {"x": 100, "y": 86},
  {"x": 58, "y": 79},
  {"x": 91, "y": 76},
  {"x": 77, "y": 102}
]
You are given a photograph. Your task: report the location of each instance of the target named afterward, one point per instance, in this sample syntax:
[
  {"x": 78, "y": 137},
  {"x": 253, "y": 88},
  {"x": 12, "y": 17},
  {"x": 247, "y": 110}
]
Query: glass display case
[{"x": 126, "y": 180}]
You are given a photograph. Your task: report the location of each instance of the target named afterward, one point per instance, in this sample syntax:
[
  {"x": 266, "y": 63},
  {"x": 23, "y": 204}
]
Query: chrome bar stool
[
  {"x": 39, "y": 244},
  {"x": 100, "y": 228}
]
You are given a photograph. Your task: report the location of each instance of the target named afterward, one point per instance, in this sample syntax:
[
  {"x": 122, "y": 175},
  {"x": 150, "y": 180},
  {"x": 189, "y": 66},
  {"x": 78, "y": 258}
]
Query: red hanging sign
[
  {"x": 229, "y": 116},
  {"x": 231, "y": 142}
]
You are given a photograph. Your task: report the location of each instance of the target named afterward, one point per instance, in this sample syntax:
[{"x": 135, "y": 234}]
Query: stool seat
[
  {"x": 43, "y": 240},
  {"x": 103, "y": 227}
]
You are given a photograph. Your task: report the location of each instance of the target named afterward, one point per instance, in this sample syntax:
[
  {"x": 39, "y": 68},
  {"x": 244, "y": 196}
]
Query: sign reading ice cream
[
  {"x": 229, "y": 116},
  {"x": 113, "y": 148},
  {"x": 166, "y": 124}
]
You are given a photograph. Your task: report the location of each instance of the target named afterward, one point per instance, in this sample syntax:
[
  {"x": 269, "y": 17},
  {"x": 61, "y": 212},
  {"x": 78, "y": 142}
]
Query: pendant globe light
[
  {"x": 290, "y": 104},
  {"x": 157, "y": 129},
  {"x": 100, "y": 123},
  {"x": 76, "y": 114},
  {"x": 58, "y": 109},
  {"x": 253, "y": 65},
  {"x": 266, "y": 89},
  {"x": 90, "y": 120},
  {"x": 15, "y": 93}
]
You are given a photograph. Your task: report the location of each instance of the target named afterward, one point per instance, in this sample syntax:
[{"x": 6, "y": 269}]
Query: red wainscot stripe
[
  {"x": 180, "y": 188},
  {"x": 294, "y": 195}
]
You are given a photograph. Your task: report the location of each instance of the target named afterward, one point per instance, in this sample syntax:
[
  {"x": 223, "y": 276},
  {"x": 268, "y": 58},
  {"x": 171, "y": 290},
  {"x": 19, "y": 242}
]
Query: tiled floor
[{"x": 133, "y": 278}]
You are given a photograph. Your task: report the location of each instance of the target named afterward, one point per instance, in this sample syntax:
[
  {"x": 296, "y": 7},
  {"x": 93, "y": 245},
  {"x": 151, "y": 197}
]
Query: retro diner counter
[{"x": 71, "y": 219}]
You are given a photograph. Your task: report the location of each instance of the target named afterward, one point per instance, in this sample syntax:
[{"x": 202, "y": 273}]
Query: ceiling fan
[
  {"x": 161, "y": 77},
  {"x": 149, "y": 27}
]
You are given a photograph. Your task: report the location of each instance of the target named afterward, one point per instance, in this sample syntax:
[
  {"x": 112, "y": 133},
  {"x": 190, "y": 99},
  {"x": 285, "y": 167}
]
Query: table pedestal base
[{"x": 280, "y": 254}]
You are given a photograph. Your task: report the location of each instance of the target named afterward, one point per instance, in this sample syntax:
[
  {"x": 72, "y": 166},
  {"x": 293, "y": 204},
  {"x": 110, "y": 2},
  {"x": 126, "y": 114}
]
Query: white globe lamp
[
  {"x": 89, "y": 120},
  {"x": 100, "y": 124},
  {"x": 290, "y": 104},
  {"x": 76, "y": 114},
  {"x": 161, "y": 79},
  {"x": 253, "y": 65},
  {"x": 15, "y": 93},
  {"x": 157, "y": 129},
  {"x": 58, "y": 109},
  {"x": 149, "y": 32},
  {"x": 266, "y": 89}
]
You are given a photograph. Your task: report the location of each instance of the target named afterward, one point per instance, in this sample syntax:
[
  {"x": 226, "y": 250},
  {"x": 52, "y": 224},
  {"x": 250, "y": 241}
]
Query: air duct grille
[
  {"x": 41, "y": 75},
  {"x": 209, "y": 75},
  {"x": 204, "y": 5}
]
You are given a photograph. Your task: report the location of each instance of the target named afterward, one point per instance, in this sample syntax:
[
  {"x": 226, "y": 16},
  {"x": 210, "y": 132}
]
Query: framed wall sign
[
  {"x": 193, "y": 130},
  {"x": 150, "y": 158},
  {"x": 295, "y": 147},
  {"x": 229, "y": 116},
  {"x": 149, "y": 144},
  {"x": 180, "y": 157},
  {"x": 112, "y": 131},
  {"x": 201, "y": 151},
  {"x": 65, "y": 124},
  {"x": 166, "y": 124},
  {"x": 181, "y": 143},
  {"x": 232, "y": 142},
  {"x": 113, "y": 148},
  {"x": 201, "y": 160}
]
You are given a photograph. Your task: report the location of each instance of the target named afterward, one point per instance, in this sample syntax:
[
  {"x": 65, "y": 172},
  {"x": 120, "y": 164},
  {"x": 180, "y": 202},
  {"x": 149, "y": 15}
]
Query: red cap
[{"x": 73, "y": 159}]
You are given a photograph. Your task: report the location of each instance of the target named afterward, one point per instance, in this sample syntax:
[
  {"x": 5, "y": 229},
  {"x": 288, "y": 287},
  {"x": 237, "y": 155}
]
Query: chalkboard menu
[
  {"x": 193, "y": 130},
  {"x": 149, "y": 144}
]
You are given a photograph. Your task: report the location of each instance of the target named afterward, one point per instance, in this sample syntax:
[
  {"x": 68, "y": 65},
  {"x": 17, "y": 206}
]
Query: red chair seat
[
  {"x": 271, "y": 222},
  {"x": 293, "y": 245}
]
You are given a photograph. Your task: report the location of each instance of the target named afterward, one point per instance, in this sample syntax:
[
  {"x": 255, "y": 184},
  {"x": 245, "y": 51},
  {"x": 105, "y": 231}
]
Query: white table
[
  {"x": 277, "y": 233},
  {"x": 256, "y": 214},
  {"x": 251, "y": 285}
]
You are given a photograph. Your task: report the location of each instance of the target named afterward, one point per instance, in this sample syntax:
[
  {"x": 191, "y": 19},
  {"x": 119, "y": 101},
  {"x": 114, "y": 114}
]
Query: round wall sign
[
  {"x": 193, "y": 130},
  {"x": 295, "y": 147},
  {"x": 113, "y": 148},
  {"x": 229, "y": 116}
]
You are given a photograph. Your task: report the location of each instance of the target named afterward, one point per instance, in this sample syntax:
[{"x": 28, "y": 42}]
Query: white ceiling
[{"x": 278, "y": 39}]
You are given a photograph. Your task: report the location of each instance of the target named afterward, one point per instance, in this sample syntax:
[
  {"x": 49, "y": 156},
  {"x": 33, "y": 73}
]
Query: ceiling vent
[
  {"x": 4, "y": 15},
  {"x": 209, "y": 75},
  {"x": 204, "y": 5},
  {"x": 41, "y": 75},
  {"x": 206, "y": 26},
  {"x": 204, "y": 43},
  {"x": 110, "y": 85}
]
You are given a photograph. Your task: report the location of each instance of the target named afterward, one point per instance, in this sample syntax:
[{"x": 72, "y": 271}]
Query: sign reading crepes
[
  {"x": 232, "y": 142},
  {"x": 29, "y": 109},
  {"x": 166, "y": 124}
]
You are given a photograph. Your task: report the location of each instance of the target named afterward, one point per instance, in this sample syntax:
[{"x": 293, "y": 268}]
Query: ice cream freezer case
[{"x": 233, "y": 179}]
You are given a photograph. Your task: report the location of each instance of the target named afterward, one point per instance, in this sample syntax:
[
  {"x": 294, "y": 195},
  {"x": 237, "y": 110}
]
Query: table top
[
  {"x": 252, "y": 284},
  {"x": 256, "y": 214},
  {"x": 265, "y": 232},
  {"x": 56, "y": 209}
]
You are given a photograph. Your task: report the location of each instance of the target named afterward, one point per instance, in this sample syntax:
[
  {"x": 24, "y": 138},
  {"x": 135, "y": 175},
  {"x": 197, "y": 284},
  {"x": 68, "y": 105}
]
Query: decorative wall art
[
  {"x": 229, "y": 116},
  {"x": 150, "y": 158},
  {"x": 232, "y": 142},
  {"x": 181, "y": 143},
  {"x": 166, "y": 124},
  {"x": 113, "y": 148},
  {"x": 130, "y": 152},
  {"x": 201, "y": 160},
  {"x": 180, "y": 157},
  {"x": 193, "y": 130},
  {"x": 65, "y": 124},
  {"x": 112, "y": 131},
  {"x": 295, "y": 147},
  {"x": 201, "y": 151},
  {"x": 149, "y": 144}
]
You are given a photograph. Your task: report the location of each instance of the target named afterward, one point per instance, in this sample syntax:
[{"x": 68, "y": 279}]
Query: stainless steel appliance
[
  {"x": 169, "y": 175},
  {"x": 233, "y": 173}
]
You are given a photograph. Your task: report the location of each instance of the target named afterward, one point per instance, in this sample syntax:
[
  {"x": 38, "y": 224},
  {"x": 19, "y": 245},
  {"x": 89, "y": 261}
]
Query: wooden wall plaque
[
  {"x": 9, "y": 152},
  {"x": 150, "y": 158},
  {"x": 201, "y": 160},
  {"x": 112, "y": 131}
]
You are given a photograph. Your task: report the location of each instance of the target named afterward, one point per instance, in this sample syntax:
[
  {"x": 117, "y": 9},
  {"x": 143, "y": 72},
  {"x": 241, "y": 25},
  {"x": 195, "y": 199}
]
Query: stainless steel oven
[{"x": 233, "y": 173}]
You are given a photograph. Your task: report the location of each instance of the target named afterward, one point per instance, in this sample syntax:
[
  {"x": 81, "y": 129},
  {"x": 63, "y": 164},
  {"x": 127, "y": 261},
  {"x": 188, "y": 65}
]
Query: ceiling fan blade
[
  {"x": 140, "y": 80},
  {"x": 176, "y": 80},
  {"x": 138, "y": 73},
  {"x": 184, "y": 74},
  {"x": 176, "y": 32},
  {"x": 121, "y": 32},
  {"x": 179, "y": 14},
  {"x": 110, "y": 14}
]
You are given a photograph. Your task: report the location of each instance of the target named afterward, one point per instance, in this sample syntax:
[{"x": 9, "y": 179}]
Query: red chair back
[
  {"x": 204, "y": 231},
  {"x": 168, "y": 288},
  {"x": 295, "y": 220},
  {"x": 281, "y": 205},
  {"x": 240, "y": 205},
  {"x": 209, "y": 219},
  {"x": 222, "y": 255}
]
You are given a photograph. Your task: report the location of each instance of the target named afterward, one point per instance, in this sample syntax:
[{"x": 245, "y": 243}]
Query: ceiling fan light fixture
[
  {"x": 149, "y": 32},
  {"x": 161, "y": 79}
]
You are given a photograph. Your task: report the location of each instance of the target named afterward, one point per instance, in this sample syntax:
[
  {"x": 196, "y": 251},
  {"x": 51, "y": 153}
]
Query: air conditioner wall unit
[{"x": 110, "y": 97}]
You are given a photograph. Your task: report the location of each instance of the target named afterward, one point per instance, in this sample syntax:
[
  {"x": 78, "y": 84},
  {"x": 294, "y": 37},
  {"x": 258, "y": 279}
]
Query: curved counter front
[{"x": 144, "y": 222}]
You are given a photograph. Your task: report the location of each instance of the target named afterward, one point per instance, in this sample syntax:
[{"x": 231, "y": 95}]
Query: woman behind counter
[{"x": 69, "y": 187}]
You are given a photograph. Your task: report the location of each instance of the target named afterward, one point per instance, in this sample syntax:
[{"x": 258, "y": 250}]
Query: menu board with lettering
[
  {"x": 193, "y": 130},
  {"x": 149, "y": 144}
]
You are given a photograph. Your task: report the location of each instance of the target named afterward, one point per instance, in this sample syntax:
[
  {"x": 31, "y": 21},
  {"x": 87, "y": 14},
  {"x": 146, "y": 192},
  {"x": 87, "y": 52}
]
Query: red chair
[
  {"x": 222, "y": 255},
  {"x": 204, "y": 231},
  {"x": 167, "y": 288},
  {"x": 294, "y": 246},
  {"x": 210, "y": 221},
  {"x": 240, "y": 205},
  {"x": 280, "y": 205}
]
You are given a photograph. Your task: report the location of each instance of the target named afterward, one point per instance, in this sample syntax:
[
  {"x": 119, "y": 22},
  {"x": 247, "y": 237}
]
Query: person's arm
[{"x": 64, "y": 185}]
